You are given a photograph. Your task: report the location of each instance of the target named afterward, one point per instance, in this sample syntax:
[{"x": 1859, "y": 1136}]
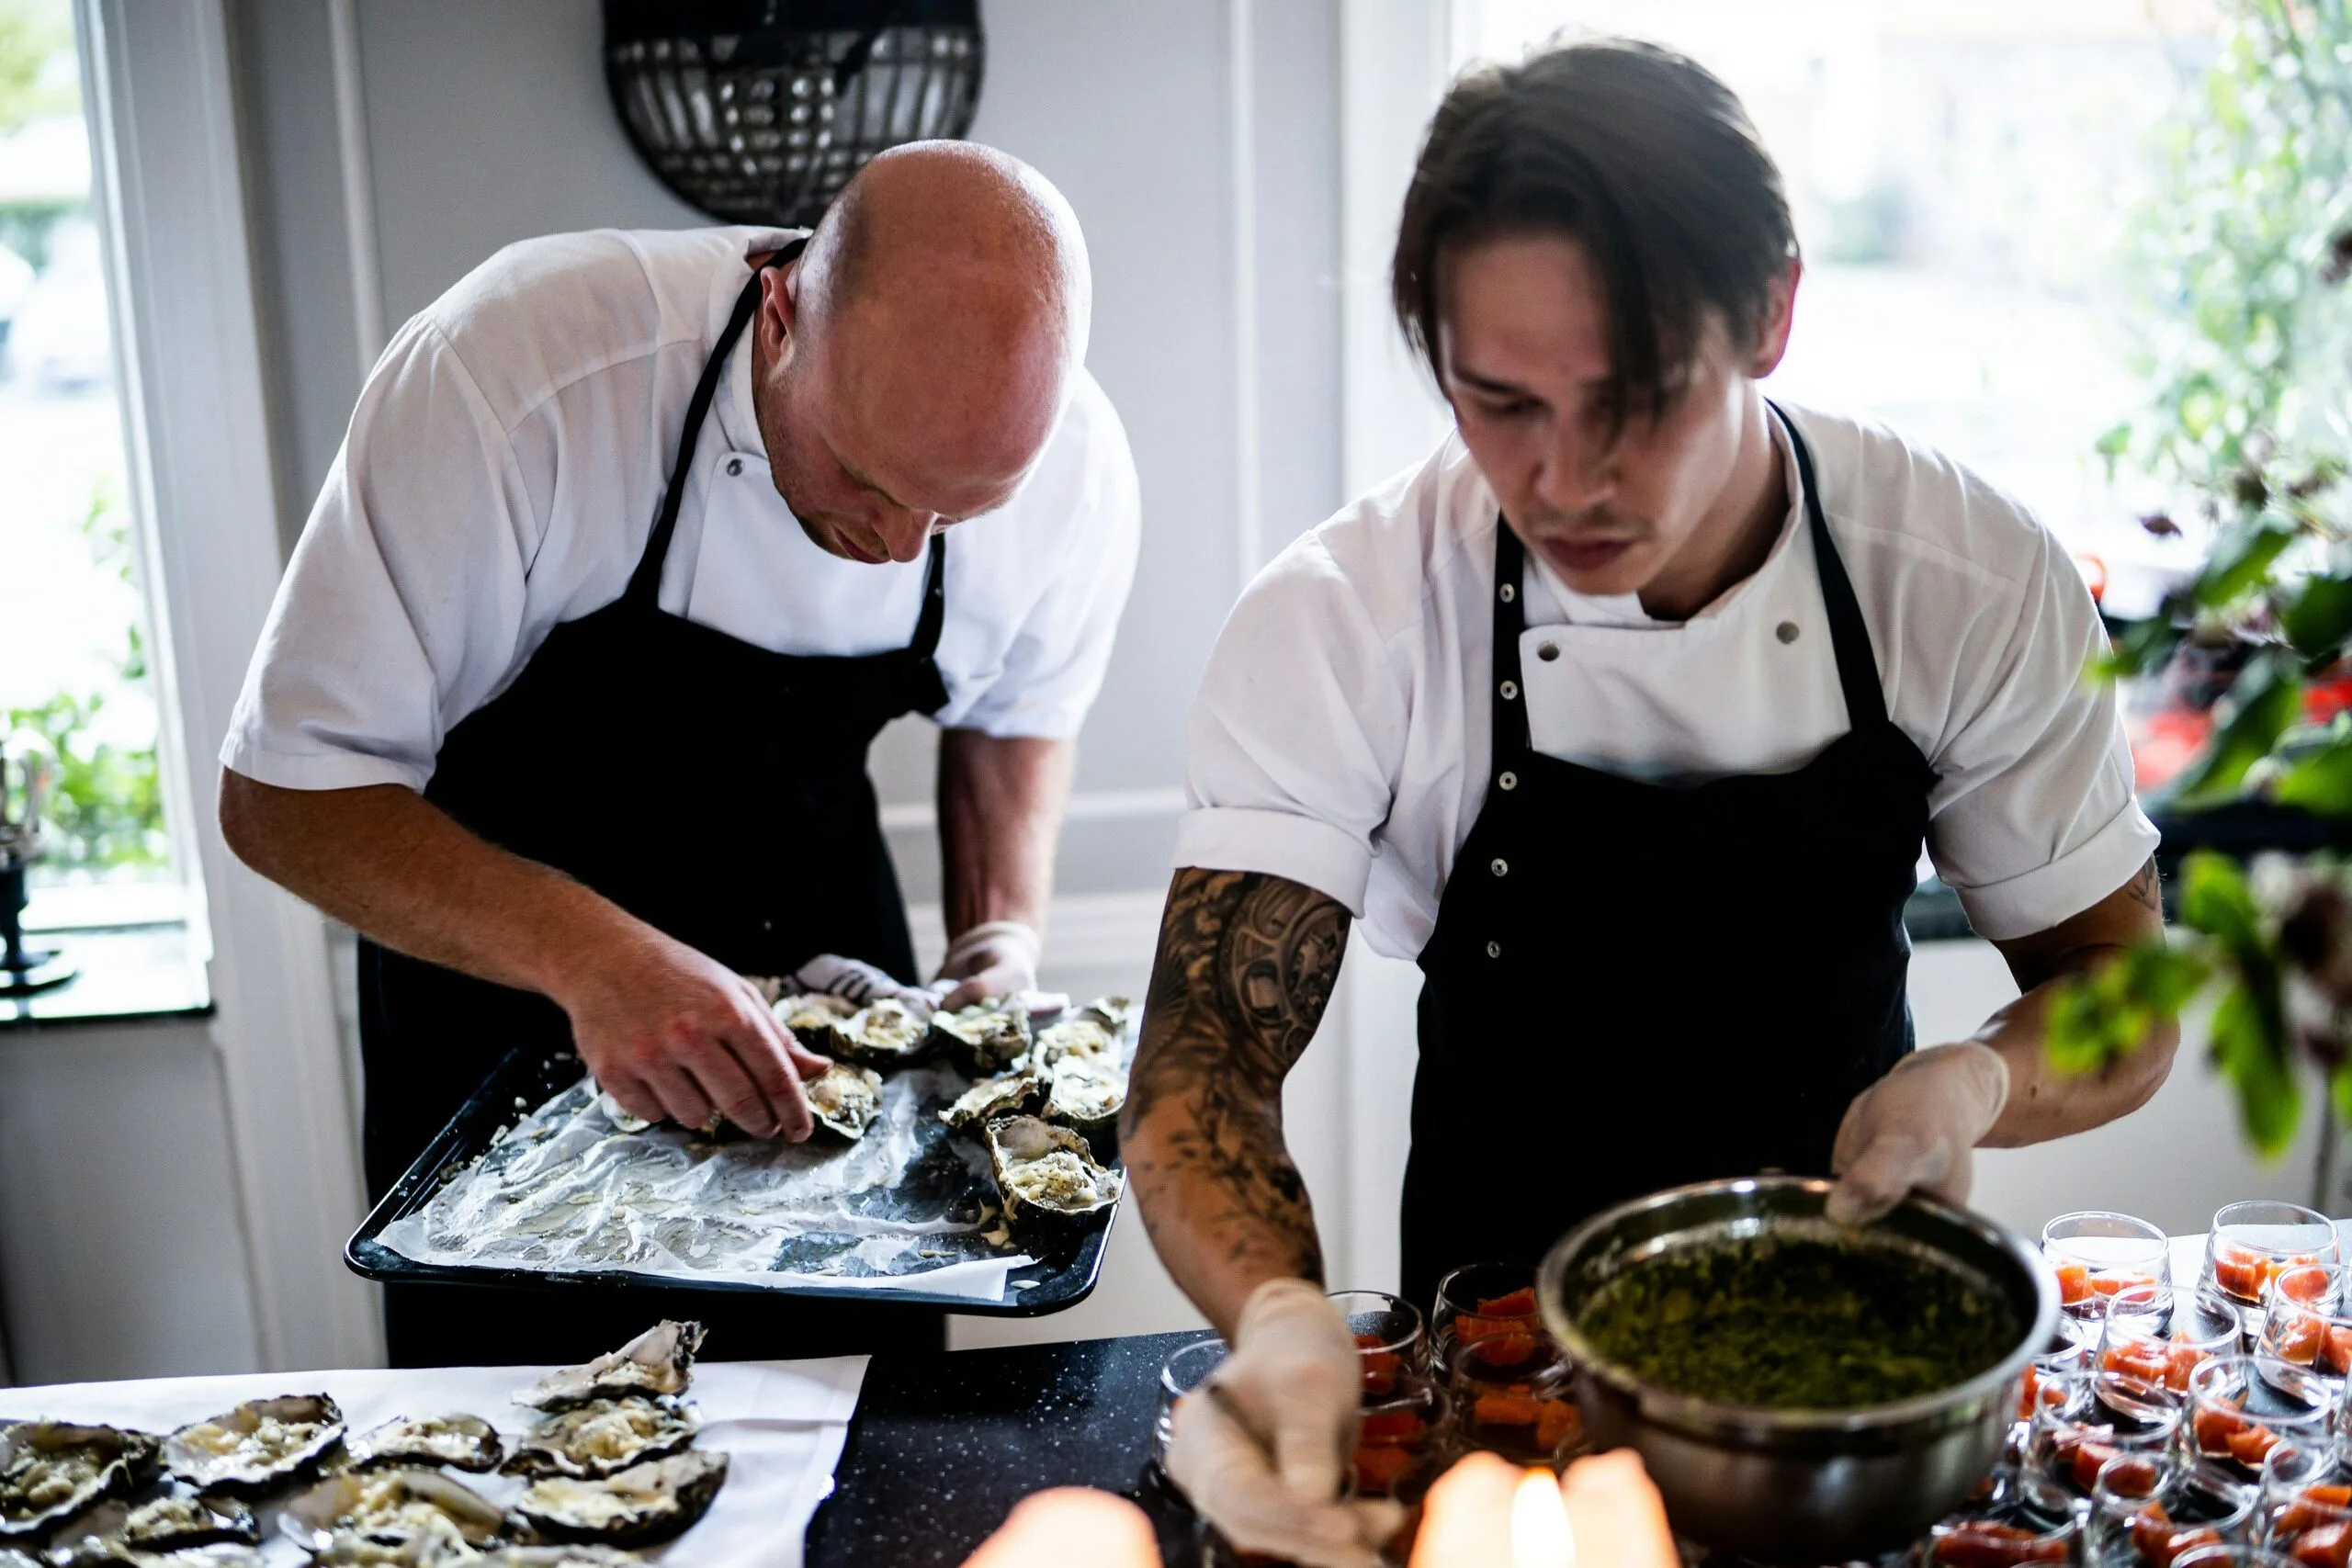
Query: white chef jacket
[
  {"x": 1341, "y": 737},
  {"x": 501, "y": 474}
]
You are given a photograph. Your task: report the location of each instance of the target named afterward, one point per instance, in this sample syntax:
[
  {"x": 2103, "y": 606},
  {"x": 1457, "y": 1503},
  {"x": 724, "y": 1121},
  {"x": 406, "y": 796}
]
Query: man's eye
[{"x": 1508, "y": 408}]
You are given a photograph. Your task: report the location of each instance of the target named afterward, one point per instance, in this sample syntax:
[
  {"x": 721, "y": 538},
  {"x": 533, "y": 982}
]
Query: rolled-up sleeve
[
  {"x": 2033, "y": 817},
  {"x": 402, "y": 610},
  {"x": 1084, "y": 495},
  {"x": 1294, "y": 741}
]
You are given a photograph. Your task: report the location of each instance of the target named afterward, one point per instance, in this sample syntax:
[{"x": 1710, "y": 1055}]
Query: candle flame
[{"x": 1540, "y": 1537}]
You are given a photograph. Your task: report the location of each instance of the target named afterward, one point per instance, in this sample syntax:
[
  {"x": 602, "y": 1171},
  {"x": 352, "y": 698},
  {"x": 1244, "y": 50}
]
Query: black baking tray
[{"x": 1064, "y": 1275}]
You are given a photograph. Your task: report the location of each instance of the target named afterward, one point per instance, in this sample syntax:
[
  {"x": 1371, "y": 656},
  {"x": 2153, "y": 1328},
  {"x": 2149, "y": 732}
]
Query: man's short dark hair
[{"x": 1638, "y": 154}]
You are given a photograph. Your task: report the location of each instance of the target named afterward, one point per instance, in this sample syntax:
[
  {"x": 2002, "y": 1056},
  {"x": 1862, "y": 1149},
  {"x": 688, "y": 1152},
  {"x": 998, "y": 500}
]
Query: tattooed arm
[
  {"x": 1245, "y": 968},
  {"x": 2042, "y": 1103}
]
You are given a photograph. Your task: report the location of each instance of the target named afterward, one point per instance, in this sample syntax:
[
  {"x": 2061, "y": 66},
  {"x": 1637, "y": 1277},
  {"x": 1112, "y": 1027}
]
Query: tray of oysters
[
  {"x": 605, "y": 1465},
  {"x": 977, "y": 1137}
]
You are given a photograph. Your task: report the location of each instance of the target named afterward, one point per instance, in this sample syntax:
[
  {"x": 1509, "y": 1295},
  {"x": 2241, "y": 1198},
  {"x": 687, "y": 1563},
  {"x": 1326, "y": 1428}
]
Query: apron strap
[
  {"x": 645, "y": 583},
  {"x": 934, "y": 601},
  {"x": 1850, "y": 634}
]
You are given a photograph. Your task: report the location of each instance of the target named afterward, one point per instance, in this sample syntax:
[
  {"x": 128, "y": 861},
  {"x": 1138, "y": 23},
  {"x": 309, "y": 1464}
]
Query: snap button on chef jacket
[
  {"x": 763, "y": 743},
  {"x": 1359, "y": 761}
]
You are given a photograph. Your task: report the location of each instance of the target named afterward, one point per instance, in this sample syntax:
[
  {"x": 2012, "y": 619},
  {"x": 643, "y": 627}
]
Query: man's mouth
[{"x": 1584, "y": 555}]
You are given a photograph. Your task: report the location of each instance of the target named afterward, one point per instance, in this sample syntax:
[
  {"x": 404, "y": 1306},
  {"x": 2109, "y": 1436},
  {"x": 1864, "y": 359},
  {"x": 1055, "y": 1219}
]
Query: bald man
[{"x": 636, "y": 541}]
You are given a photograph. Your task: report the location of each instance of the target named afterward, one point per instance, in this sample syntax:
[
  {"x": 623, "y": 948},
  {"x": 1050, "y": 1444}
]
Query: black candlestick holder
[
  {"x": 28, "y": 769},
  {"x": 24, "y": 969}
]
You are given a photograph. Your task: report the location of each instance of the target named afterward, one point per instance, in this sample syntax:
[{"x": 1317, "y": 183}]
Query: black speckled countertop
[{"x": 944, "y": 1443}]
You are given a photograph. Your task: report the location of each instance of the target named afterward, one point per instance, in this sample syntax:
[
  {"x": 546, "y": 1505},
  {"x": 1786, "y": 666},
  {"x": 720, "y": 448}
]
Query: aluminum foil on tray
[{"x": 578, "y": 1186}]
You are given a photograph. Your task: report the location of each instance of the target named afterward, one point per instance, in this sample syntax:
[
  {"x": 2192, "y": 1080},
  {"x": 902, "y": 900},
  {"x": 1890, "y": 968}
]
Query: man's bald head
[{"x": 924, "y": 344}]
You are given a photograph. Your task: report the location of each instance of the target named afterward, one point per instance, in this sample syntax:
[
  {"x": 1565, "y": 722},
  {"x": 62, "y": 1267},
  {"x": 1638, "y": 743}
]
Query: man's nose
[
  {"x": 1578, "y": 472},
  {"x": 904, "y": 533}
]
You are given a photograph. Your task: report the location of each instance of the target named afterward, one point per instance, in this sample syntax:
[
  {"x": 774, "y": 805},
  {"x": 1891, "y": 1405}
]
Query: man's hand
[
  {"x": 995, "y": 958},
  {"x": 1915, "y": 1128},
  {"x": 670, "y": 1032},
  {"x": 1261, "y": 1453}
]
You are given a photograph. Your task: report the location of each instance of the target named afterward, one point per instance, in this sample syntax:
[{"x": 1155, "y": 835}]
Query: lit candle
[
  {"x": 1070, "y": 1525},
  {"x": 1540, "y": 1536}
]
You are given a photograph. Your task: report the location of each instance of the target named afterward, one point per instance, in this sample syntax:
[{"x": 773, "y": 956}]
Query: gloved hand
[
  {"x": 1915, "y": 1127},
  {"x": 995, "y": 958},
  {"x": 855, "y": 980},
  {"x": 1260, "y": 1451}
]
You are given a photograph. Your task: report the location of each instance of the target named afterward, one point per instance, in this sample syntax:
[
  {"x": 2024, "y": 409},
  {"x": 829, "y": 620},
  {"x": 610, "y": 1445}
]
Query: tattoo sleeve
[{"x": 1246, "y": 966}]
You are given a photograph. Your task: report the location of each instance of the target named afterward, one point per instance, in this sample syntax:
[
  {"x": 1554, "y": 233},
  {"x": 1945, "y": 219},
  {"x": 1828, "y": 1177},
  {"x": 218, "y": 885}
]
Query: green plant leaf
[
  {"x": 2339, "y": 1091},
  {"x": 2321, "y": 781},
  {"x": 2142, "y": 645},
  {"x": 2241, "y": 561},
  {"x": 2103, "y": 1016},
  {"x": 2265, "y": 700},
  {"x": 2215, "y": 899},
  {"x": 2318, "y": 621},
  {"x": 2251, "y": 1052}
]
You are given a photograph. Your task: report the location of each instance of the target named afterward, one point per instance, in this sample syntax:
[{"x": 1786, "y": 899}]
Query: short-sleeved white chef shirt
[
  {"x": 501, "y": 474},
  {"x": 1341, "y": 738}
]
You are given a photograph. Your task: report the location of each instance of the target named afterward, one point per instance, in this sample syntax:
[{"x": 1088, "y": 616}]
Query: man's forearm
[
  {"x": 1246, "y": 967},
  {"x": 397, "y": 868},
  {"x": 1001, "y": 805},
  {"x": 2043, "y": 1104}
]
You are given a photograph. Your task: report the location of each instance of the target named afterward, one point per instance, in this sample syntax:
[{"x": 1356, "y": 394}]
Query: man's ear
[
  {"x": 1774, "y": 320},
  {"x": 779, "y": 309}
]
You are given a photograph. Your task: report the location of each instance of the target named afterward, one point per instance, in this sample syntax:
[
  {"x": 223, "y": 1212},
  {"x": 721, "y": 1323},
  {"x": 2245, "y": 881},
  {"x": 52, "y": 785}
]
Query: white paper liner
[{"x": 911, "y": 1204}]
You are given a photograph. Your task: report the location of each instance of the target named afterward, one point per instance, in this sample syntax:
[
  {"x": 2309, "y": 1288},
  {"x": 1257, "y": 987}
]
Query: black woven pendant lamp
[{"x": 758, "y": 111}]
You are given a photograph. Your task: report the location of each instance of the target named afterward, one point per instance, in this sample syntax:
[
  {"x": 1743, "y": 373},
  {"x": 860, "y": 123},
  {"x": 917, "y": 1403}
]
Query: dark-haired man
[{"x": 1626, "y": 714}]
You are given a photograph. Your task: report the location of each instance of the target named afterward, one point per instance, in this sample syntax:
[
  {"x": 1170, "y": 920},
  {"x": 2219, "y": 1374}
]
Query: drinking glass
[
  {"x": 2306, "y": 1489},
  {"x": 2232, "y": 1556},
  {"x": 2307, "y": 1320},
  {"x": 2101, "y": 1416},
  {"x": 1524, "y": 1408},
  {"x": 2161, "y": 1339},
  {"x": 2149, "y": 1512},
  {"x": 2016, "y": 1521},
  {"x": 1389, "y": 1336},
  {"x": 2097, "y": 1252},
  {"x": 2241, "y": 1407},
  {"x": 1483, "y": 1301},
  {"x": 1186, "y": 1368},
  {"x": 2252, "y": 1243}
]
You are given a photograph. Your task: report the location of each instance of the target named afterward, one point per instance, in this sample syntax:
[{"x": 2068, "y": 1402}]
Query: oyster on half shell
[
  {"x": 813, "y": 1017},
  {"x": 984, "y": 1038},
  {"x": 51, "y": 1470},
  {"x": 179, "y": 1519},
  {"x": 256, "y": 1446},
  {"x": 1087, "y": 1093},
  {"x": 406, "y": 1514},
  {"x": 883, "y": 1034},
  {"x": 1045, "y": 1174},
  {"x": 845, "y": 1098},
  {"x": 465, "y": 1442},
  {"x": 1078, "y": 1035},
  {"x": 660, "y": 1360},
  {"x": 643, "y": 1504},
  {"x": 603, "y": 1438},
  {"x": 1010, "y": 1094}
]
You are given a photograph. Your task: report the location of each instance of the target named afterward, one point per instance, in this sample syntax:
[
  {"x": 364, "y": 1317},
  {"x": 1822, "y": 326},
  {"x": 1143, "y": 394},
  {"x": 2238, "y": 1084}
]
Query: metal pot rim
[{"x": 1690, "y": 1411}]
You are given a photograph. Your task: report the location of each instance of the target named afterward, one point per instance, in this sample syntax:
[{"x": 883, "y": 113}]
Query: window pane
[
  {"x": 1963, "y": 178},
  {"x": 72, "y": 617}
]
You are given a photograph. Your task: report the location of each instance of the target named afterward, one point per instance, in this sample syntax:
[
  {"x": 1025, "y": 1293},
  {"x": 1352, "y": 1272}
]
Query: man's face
[{"x": 1524, "y": 351}]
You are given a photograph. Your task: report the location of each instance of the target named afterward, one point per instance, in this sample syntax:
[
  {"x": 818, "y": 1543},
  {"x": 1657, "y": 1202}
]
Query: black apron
[
  {"x": 1632, "y": 986},
  {"x": 715, "y": 790}
]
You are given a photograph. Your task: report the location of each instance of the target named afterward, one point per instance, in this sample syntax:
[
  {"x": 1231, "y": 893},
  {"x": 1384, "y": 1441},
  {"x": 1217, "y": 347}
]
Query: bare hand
[{"x": 674, "y": 1035}]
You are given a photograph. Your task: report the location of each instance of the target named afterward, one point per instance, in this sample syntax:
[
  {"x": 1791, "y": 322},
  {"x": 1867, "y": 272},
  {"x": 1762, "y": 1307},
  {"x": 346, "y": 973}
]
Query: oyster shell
[
  {"x": 573, "y": 1555},
  {"x": 406, "y": 1514},
  {"x": 660, "y": 1360},
  {"x": 112, "y": 1532},
  {"x": 1012, "y": 1094},
  {"x": 1045, "y": 1174},
  {"x": 1112, "y": 1012},
  {"x": 1078, "y": 1035},
  {"x": 465, "y": 1442},
  {"x": 603, "y": 1438},
  {"x": 814, "y": 1018},
  {"x": 883, "y": 1034},
  {"x": 220, "y": 1554},
  {"x": 845, "y": 1098},
  {"x": 50, "y": 1471},
  {"x": 985, "y": 1038},
  {"x": 643, "y": 1504},
  {"x": 257, "y": 1445},
  {"x": 1087, "y": 1093}
]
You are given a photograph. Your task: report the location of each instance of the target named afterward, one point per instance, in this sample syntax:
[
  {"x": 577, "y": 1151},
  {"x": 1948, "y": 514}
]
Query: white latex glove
[
  {"x": 854, "y": 980},
  {"x": 1915, "y": 1127},
  {"x": 1261, "y": 1454},
  {"x": 995, "y": 958}
]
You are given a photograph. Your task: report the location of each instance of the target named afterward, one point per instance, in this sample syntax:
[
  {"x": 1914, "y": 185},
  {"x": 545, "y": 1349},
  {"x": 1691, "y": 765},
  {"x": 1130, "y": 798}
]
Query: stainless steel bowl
[{"x": 1797, "y": 1487}]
